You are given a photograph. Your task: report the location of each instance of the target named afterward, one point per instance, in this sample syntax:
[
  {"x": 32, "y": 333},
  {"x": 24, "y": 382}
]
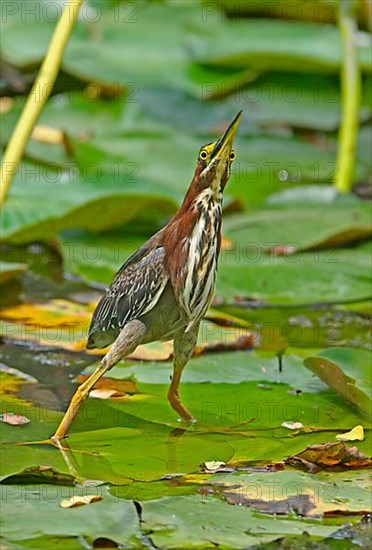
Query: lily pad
[
  {"x": 110, "y": 518},
  {"x": 279, "y": 45},
  {"x": 199, "y": 521},
  {"x": 73, "y": 201}
]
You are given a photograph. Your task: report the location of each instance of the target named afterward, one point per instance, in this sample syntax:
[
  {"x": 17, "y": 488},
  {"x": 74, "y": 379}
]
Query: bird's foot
[{"x": 56, "y": 441}]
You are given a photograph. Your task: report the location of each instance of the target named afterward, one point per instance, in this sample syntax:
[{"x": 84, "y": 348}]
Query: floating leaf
[
  {"x": 343, "y": 238},
  {"x": 45, "y": 525},
  {"x": 213, "y": 466},
  {"x": 278, "y": 45},
  {"x": 57, "y": 312},
  {"x": 248, "y": 270},
  {"x": 356, "y": 434},
  {"x": 14, "y": 419},
  {"x": 37, "y": 209},
  {"x": 122, "y": 387},
  {"x": 290, "y": 492},
  {"x": 79, "y": 500},
  {"x": 292, "y": 425},
  {"x": 195, "y": 521},
  {"x": 330, "y": 455}
]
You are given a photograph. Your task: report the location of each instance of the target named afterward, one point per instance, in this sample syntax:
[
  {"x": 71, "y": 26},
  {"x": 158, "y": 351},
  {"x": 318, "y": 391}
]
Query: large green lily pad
[
  {"x": 39, "y": 208},
  {"x": 38, "y": 509}
]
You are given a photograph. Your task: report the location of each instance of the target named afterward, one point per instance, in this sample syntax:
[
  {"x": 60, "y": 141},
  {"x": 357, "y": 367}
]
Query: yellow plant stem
[
  {"x": 38, "y": 96},
  {"x": 350, "y": 98}
]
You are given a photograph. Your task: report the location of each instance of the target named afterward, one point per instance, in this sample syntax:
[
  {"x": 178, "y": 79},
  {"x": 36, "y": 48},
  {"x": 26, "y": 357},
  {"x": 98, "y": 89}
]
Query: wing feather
[{"x": 134, "y": 291}]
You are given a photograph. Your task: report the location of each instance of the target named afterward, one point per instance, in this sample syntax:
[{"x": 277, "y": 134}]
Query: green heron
[{"x": 163, "y": 290}]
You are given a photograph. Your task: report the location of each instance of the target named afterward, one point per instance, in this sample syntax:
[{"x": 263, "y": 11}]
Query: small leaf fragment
[
  {"x": 106, "y": 393},
  {"x": 14, "y": 419},
  {"x": 78, "y": 500},
  {"x": 356, "y": 434},
  {"x": 213, "y": 465},
  {"x": 292, "y": 425}
]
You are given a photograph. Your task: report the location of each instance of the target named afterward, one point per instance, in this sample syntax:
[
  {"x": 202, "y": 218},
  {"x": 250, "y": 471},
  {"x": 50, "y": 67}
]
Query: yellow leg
[
  {"x": 127, "y": 341},
  {"x": 184, "y": 344},
  {"x": 175, "y": 400},
  {"x": 77, "y": 399}
]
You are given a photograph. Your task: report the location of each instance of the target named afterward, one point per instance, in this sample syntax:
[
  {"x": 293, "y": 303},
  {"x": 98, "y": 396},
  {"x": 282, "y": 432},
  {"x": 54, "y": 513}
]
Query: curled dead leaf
[
  {"x": 330, "y": 455},
  {"x": 77, "y": 500},
  {"x": 213, "y": 466}
]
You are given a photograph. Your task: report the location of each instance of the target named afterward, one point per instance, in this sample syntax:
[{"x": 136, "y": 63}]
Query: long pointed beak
[{"x": 226, "y": 141}]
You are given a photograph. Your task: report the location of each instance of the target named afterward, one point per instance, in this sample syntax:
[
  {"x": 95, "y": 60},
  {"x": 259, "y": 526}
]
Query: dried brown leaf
[{"x": 330, "y": 455}]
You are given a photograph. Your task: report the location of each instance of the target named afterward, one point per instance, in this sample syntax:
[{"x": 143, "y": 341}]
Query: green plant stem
[
  {"x": 350, "y": 101},
  {"x": 38, "y": 96}
]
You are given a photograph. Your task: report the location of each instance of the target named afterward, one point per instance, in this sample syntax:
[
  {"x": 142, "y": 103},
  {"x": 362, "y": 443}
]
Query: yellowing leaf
[
  {"x": 79, "y": 501},
  {"x": 59, "y": 312},
  {"x": 356, "y": 434}
]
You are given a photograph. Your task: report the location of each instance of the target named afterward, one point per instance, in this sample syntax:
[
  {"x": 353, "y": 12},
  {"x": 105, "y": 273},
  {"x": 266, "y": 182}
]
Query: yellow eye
[
  {"x": 232, "y": 156},
  {"x": 203, "y": 155}
]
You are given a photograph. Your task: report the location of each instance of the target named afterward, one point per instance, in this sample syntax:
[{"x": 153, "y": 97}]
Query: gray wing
[{"x": 134, "y": 291}]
